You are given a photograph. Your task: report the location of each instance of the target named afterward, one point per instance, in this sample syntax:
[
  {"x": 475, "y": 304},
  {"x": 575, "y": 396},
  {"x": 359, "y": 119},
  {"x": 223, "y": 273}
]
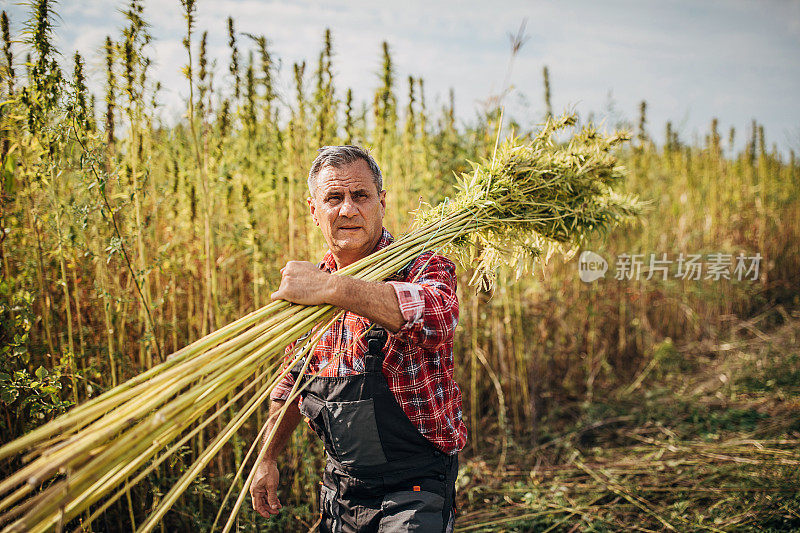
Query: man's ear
[
  {"x": 312, "y": 208},
  {"x": 382, "y": 196}
]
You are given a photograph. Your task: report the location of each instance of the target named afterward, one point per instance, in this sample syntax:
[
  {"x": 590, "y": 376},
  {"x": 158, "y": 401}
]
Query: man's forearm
[
  {"x": 304, "y": 283},
  {"x": 284, "y": 429},
  {"x": 373, "y": 300}
]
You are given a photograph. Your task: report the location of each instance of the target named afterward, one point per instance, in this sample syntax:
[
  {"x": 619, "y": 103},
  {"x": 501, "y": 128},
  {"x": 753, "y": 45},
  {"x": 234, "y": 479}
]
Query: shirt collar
[{"x": 329, "y": 262}]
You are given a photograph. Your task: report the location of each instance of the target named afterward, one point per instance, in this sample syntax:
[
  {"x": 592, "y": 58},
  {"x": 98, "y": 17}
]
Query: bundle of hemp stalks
[{"x": 534, "y": 197}]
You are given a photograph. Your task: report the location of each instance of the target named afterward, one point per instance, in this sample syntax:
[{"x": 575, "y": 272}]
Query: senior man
[{"x": 385, "y": 403}]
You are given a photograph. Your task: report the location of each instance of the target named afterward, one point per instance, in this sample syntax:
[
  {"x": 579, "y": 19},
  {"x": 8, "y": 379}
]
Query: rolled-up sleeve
[{"x": 428, "y": 301}]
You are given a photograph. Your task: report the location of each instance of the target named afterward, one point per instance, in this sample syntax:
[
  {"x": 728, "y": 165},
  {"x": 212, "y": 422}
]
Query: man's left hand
[{"x": 303, "y": 283}]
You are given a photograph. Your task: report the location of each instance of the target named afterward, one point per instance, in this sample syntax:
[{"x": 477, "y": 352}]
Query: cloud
[{"x": 728, "y": 58}]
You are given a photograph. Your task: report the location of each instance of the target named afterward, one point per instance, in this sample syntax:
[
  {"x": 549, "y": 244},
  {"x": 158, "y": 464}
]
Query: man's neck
[{"x": 347, "y": 259}]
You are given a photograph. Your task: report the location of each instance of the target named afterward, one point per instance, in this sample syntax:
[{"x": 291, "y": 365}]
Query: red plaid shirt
[{"x": 419, "y": 358}]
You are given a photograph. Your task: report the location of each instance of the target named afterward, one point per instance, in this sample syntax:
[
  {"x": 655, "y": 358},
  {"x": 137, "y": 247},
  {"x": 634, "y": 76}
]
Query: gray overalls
[{"x": 381, "y": 473}]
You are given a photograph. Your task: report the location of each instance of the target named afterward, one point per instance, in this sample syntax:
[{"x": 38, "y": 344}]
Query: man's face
[{"x": 349, "y": 210}]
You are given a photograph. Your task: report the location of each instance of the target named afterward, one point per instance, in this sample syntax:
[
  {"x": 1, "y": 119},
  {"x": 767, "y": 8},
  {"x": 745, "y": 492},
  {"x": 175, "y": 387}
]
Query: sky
[{"x": 691, "y": 60}]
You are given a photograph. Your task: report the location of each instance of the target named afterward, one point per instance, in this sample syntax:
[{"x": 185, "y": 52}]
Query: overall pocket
[
  {"x": 412, "y": 511},
  {"x": 313, "y": 408},
  {"x": 354, "y": 432}
]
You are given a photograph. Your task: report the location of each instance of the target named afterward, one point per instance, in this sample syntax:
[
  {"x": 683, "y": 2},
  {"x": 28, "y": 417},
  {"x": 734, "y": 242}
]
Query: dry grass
[{"x": 714, "y": 449}]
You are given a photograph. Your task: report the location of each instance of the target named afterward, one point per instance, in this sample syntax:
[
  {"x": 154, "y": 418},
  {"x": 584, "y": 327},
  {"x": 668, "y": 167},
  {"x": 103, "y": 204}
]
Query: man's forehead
[
  {"x": 345, "y": 177},
  {"x": 340, "y": 187},
  {"x": 357, "y": 167}
]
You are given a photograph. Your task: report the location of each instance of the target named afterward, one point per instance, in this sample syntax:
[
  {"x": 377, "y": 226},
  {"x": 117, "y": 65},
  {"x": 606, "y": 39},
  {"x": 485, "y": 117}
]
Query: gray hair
[{"x": 339, "y": 156}]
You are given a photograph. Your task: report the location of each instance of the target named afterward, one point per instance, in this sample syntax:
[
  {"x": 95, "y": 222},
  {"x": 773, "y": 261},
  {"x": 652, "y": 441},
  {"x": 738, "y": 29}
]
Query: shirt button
[{"x": 441, "y": 477}]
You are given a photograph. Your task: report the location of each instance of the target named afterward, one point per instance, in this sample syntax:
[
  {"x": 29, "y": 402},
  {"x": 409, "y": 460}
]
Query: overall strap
[{"x": 376, "y": 339}]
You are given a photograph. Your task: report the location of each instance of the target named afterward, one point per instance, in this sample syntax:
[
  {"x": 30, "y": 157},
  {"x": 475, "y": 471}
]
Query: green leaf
[
  {"x": 41, "y": 373},
  {"x": 8, "y": 395},
  {"x": 7, "y": 173}
]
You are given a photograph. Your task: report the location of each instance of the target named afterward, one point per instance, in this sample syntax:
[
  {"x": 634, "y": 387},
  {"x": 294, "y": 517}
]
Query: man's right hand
[{"x": 264, "y": 489}]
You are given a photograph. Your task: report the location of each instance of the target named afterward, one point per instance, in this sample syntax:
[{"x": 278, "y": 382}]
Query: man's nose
[{"x": 348, "y": 207}]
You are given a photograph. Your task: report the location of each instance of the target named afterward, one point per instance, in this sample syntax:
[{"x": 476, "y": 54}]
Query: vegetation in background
[{"x": 123, "y": 239}]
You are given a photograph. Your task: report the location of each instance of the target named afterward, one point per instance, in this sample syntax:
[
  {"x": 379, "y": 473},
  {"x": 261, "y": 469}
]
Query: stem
[
  {"x": 124, "y": 250},
  {"x": 47, "y": 312}
]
